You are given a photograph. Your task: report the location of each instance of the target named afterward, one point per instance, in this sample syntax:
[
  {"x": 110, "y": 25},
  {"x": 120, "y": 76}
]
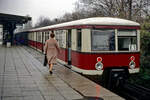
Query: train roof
[{"x": 107, "y": 21}]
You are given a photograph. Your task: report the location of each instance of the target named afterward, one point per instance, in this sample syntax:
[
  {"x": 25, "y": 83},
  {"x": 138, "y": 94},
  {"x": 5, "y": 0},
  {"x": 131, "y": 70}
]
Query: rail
[{"x": 134, "y": 92}]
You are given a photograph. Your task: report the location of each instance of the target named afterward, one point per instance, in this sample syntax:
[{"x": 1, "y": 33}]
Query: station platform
[{"x": 23, "y": 77}]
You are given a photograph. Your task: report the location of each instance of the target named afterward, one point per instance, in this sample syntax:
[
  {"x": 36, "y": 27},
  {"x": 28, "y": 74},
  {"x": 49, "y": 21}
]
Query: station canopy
[
  {"x": 9, "y": 23},
  {"x": 8, "y": 18}
]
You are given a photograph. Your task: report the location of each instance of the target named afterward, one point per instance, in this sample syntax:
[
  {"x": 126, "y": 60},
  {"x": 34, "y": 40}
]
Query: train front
[
  {"x": 120, "y": 48},
  {"x": 115, "y": 52}
]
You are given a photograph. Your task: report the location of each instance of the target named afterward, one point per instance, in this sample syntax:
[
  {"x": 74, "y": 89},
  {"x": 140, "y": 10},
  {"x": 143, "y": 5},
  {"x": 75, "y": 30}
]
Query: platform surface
[{"x": 23, "y": 77}]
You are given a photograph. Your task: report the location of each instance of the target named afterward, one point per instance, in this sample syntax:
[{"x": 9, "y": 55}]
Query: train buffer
[{"x": 23, "y": 77}]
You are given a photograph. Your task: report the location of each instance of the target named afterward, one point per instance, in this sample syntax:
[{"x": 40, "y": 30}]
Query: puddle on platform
[{"x": 91, "y": 98}]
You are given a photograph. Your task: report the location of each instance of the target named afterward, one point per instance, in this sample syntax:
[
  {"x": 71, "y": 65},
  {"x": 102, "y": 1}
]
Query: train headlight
[
  {"x": 132, "y": 64},
  {"x": 99, "y": 66}
]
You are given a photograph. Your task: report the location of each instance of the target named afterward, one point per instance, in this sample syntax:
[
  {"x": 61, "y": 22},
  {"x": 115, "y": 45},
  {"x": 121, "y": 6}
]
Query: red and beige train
[{"x": 93, "y": 45}]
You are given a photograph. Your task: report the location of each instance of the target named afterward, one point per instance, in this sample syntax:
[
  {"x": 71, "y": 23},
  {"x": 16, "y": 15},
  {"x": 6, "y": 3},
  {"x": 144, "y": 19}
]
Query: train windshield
[
  {"x": 127, "y": 40},
  {"x": 103, "y": 40}
]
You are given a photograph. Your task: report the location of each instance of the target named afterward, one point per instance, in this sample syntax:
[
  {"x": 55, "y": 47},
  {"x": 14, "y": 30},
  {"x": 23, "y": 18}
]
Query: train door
[{"x": 69, "y": 47}]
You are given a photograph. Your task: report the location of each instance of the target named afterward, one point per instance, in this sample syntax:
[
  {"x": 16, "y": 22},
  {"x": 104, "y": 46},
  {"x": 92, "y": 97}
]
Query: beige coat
[{"x": 51, "y": 49}]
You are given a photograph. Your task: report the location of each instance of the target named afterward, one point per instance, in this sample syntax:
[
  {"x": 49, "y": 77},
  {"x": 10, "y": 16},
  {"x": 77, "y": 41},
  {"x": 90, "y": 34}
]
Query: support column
[{"x": 9, "y": 32}]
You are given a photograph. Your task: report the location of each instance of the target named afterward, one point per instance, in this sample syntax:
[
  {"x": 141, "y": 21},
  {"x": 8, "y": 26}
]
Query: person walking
[{"x": 51, "y": 49}]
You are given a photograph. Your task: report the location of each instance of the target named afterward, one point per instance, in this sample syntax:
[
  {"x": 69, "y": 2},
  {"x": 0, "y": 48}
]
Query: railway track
[
  {"x": 127, "y": 90},
  {"x": 134, "y": 92}
]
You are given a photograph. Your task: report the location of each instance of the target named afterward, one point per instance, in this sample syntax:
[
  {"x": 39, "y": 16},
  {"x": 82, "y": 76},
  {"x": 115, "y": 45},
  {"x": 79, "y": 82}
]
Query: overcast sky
[{"x": 37, "y": 8}]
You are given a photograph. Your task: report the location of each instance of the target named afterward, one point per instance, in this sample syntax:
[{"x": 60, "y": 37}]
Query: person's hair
[{"x": 52, "y": 35}]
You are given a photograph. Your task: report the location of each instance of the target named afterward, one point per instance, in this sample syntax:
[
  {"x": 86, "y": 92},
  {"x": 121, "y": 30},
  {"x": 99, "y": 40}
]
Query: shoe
[{"x": 50, "y": 72}]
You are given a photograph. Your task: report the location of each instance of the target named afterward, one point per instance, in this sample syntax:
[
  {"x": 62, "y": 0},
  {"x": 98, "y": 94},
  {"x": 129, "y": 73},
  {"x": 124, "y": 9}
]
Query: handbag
[{"x": 45, "y": 60}]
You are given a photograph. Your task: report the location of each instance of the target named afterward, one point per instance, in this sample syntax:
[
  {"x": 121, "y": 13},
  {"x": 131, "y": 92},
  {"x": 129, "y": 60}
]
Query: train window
[
  {"x": 39, "y": 36},
  {"x": 127, "y": 40},
  {"x": 33, "y": 36},
  {"x": 103, "y": 40},
  {"x": 60, "y": 37},
  {"x": 30, "y": 36},
  {"x": 46, "y": 36},
  {"x": 79, "y": 39},
  {"x": 123, "y": 32},
  {"x": 57, "y": 36}
]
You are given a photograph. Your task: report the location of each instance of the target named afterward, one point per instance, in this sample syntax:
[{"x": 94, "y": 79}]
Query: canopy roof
[{"x": 9, "y": 18}]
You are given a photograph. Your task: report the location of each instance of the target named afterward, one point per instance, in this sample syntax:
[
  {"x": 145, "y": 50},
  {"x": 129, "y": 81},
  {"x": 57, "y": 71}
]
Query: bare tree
[
  {"x": 43, "y": 21},
  {"x": 135, "y": 10},
  {"x": 115, "y": 8}
]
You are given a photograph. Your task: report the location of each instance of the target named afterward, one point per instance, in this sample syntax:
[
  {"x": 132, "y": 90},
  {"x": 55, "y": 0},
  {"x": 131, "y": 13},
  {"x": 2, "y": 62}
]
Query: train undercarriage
[{"x": 114, "y": 77}]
